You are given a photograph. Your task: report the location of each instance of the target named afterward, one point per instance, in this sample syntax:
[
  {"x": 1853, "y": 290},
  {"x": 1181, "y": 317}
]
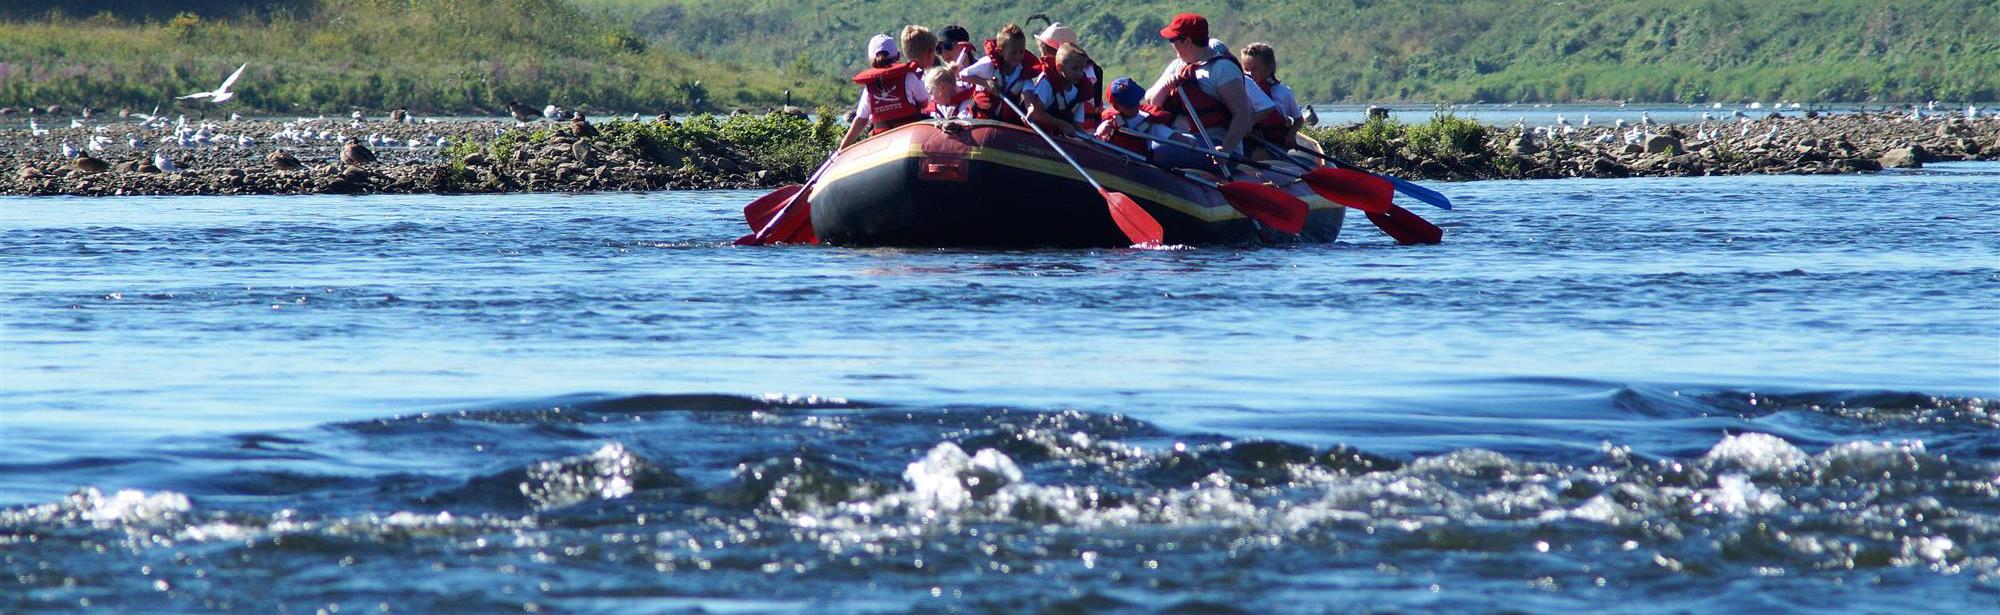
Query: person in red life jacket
[
  {"x": 1003, "y": 72},
  {"x": 892, "y": 93},
  {"x": 1126, "y": 113},
  {"x": 1053, "y": 38},
  {"x": 1260, "y": 63},
  {"x": 1057, "y": 102},
  {"x": 1213, "y": 82},
  {"x": 949, "y": 99},
  {"x": 955, "y": 48}
]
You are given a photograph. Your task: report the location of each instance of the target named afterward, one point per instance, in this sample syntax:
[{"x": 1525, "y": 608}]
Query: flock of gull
[{"x": 1713, "y": 124}]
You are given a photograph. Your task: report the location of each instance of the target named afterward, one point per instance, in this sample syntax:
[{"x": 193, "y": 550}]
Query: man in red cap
[{"x": 1212, "y": 82}]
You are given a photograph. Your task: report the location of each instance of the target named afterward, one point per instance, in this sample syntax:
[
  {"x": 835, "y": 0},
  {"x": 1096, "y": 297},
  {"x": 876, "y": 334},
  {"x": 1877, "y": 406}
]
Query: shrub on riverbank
[
  {"x": 773, "y": 148},
  {"x": 1444, "y": 137}
]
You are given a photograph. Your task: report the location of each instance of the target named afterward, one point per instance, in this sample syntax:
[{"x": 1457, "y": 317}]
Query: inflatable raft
[{"x": 990, "y": 184}]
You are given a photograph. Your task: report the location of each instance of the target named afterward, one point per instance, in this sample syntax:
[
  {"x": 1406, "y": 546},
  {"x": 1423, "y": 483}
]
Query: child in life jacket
[
  {"x": 1052, "y": 39},
  {"x": 955, "y": 48},
  {"x": 892, "y": 93},
  {"x": 950, "y": 100},
  {"x": 1058, "y": 100},
  {"x": 1126, "y": 113},
  {"x": 1281, "y": 127},
  {"x": 1003, "y": 73}
]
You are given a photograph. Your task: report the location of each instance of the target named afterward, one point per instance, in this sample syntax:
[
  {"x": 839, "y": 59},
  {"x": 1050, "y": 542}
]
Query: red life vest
[
  {"x": 987, "y": 106},
  {"x": 1208, "y": 108},
  {"x": 1092, "y": 90},
  {"x": 1275, "y": 127},
  {"x": 1064, "y": 109},
  {"x": 957, "y": 98},
  {"x": 889, "y": 103}
]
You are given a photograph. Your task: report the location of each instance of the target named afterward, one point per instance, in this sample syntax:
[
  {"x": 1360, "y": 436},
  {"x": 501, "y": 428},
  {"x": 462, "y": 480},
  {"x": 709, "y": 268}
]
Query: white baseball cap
[
  {"x": 1057, "y": 34},
  {"x": 882, "y": 43}
]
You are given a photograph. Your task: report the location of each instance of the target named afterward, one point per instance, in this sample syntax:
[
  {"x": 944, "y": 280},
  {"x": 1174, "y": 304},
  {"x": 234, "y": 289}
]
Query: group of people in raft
[{"x": 1204, "y": 96}]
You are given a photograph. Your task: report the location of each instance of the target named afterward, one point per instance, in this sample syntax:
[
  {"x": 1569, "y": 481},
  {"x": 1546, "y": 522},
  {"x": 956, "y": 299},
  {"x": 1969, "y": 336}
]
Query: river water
[{"x": 1699, "y": 395}]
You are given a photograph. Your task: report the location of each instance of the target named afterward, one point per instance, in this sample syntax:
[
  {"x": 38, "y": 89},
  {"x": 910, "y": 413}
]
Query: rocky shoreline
[
  {"x": 1773, "y": 144},
  {"x": 452, "y": 157}
]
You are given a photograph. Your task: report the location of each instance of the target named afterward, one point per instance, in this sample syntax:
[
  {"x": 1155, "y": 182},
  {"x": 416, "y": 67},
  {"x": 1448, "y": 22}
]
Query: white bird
[
  {"x": 375, "y": 140},
  {"x": 69, "y": 151},
  {"x": 235, "y": 117},
  {"x": 76, "y": 124},
  {"x": 635, "y": 116},
  {"x": 1744, "y": 132},
  {"x": 245, "y": 142},
  {"x": 97, "y": 145},
  {"x": 1971, "y": 112},
  {"x": 1736, "y": 113},
  {"x": 1645, "y": 118},
  {"x": 164, "y": 163},
  {"x": 1619, "y": 124},
  {"x": 1706, "y": 116},
  {"x": 1561, "y": 121},
  {"x": 134, "y": 142},
  {"x": 1715, "y": 106},
  {"x": 1756, "y": 105},
  {"x": 219, "y": 95},
  {"x": 1772, "y": 135},
  {"x": 36, "y": 130},
  {"x": 1930, "y": 106},
  {"x": 1586, "y": 120},
  {"x": 1604, "y": 139},
  {"x": 550, "y": 111},
  {"x": 356, "y": 115}
]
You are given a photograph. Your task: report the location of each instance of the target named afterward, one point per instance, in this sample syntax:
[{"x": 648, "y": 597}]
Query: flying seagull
[{"x": 221, "y": 94}]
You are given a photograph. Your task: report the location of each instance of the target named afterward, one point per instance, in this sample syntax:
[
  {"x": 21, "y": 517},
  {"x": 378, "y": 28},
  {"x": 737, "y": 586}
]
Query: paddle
[
  {"x": 1348, "y": 187},
  {"x": 1362, "y": 191},
  {"x": 1367, "y": 194},
  {"x": 1261, "y": 202},
  {"x": 792, "y": 220},
  {"x": 1138, "y": 226},
  {"x": 1417, "y": 192},
  {"x": 760, "y": 212}
]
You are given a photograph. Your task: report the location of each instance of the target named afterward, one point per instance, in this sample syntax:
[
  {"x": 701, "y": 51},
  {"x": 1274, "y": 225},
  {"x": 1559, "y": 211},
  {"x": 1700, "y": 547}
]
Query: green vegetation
[
  {"x": 1440, "y": 50},
  {"x": 1444, "y": 137},
  {"x": 788, "y": 146},
  {"x": 432, "y": 56}
]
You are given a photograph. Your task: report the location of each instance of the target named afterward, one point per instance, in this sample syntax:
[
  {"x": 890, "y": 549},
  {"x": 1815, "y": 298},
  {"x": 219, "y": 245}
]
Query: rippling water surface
[{"x": 1696, "y": 395}]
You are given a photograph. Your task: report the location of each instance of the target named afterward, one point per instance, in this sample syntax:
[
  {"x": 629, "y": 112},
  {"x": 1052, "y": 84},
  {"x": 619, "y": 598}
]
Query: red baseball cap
[{"x": 1190, "y": 25}]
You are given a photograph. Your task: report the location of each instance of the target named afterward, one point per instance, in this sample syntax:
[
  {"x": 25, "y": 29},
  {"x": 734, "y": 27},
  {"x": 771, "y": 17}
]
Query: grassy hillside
[
  {"x": 433, "y": 56},
  {"x": 1438, "y": 50}
]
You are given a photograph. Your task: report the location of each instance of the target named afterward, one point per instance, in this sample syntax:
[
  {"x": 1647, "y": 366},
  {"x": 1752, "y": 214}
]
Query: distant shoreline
[{"x": 548, "y": 157}]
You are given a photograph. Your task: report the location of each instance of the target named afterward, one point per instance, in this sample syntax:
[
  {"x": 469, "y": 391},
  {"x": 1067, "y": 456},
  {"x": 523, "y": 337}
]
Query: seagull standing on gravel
[
  {"x": 165, "y": 164},
  {"x": 69, "y": 151},
  {"x": 218, "y": 95}
]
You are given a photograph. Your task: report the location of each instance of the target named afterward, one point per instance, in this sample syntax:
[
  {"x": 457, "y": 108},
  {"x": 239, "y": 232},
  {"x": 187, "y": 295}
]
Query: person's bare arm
[{"x": 855, "y": 131}]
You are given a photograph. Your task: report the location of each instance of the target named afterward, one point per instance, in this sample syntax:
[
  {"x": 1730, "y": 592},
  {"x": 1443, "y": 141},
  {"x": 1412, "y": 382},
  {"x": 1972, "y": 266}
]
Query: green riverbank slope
[
  {"x": 331, "y": 56},
  {"x": 1440, "y": 50}
]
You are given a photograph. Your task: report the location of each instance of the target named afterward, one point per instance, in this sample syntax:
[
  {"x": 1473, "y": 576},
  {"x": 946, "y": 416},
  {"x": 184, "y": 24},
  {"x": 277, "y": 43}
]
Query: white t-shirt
[
  {"x": 1014, "y": 84},
  {"x": 1045, "y": 92},
  {"x": 960, "y": 111},
  {"x": 1210, "y": 81},
  {"x": 1136, "y": 124},
  {"x": 913, "y": 89},
  {"x": 1288, "y": 105}
]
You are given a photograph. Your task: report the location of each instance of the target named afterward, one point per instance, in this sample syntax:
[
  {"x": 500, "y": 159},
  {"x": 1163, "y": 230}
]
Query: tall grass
[{"x": 438, "y": 56}]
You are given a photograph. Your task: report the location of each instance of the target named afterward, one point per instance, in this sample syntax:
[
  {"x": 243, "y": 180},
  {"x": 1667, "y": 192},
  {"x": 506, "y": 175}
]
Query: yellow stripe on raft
[{"x": 865, "y": 162}]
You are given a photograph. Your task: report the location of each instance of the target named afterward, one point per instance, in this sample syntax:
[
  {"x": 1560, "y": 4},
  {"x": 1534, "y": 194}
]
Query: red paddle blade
[
  {"x": 760, "y": 212},
  {"x": 1267, "y": 204},
  {"x": 792, "y": 224},
  {"x": 1406, "y": 227},
  {"x": 1352, "y": 188},
  {"x": 1139, "y": 226}
]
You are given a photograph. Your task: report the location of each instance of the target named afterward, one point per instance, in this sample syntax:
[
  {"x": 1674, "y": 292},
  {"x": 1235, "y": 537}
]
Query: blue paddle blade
[{"x": 1420, "y": 193}]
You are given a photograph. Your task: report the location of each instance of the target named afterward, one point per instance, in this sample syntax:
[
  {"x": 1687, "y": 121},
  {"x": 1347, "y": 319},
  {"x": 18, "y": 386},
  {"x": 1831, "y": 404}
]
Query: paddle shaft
[
  {"x": 1051, "y": 141},
  {"x": 1421, "y": 193},
  {"x": 1195, "y": 119}
]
